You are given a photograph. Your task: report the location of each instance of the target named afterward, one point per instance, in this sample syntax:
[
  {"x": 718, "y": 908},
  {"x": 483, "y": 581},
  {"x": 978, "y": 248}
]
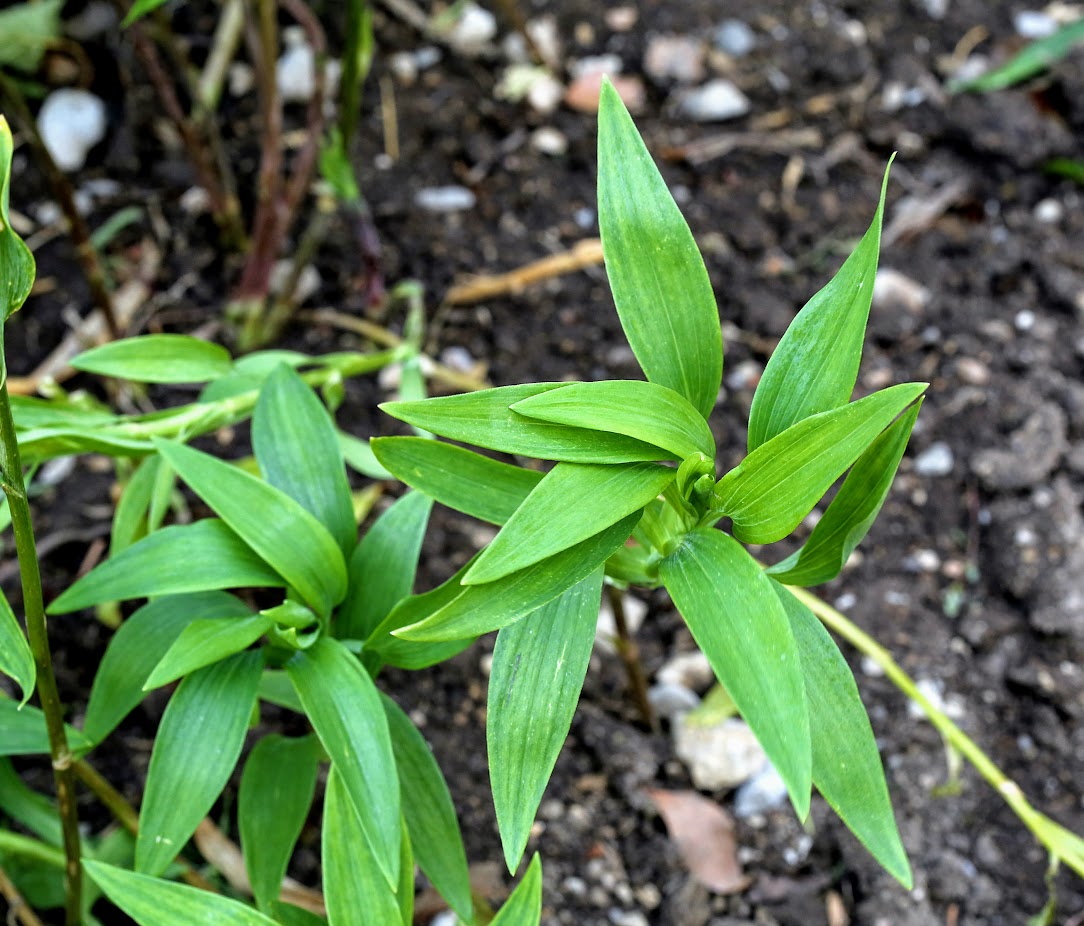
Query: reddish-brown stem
[{"x": 630, "y": 656}]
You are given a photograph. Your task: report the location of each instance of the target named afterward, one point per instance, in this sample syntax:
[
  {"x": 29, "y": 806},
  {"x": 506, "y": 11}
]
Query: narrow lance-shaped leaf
[
  {"x": 17, "y": 266},
  {"x": 344, "y": 708},
  {"x": 524, "y": 907},
  {"x": 16, "y": 659},
  {"x": 296, "y": 444},
  {"x": 777, "y": 485},
  {"x": 459, "y": 478},
  {"x": 276, "y": 792},
  {"x": 573, "y": 501},
  {"x": 485, "y": 419},
  {"x": 660, "y": 285},
  {"x": 198, "y": 743},
  {"x": 196, "y": 557},
  {"x": 852, "y": 512},
  {"x": 540, "y": 660},
  {"x": 1032, "y": 59},
  {"x": 278, "y": 529},
  {"x": 815, "y": 366},
  {"x": 383, "y": 566},
  {"x": 738, "y": 622},
  {"x": 204, "y": 642},
  {"x": 846, "y": 765},
  {"x": 130, "y": 517},
  {"x": 23, "y": 731},
  {"x": 157, "y": 358},
  {"x": 646, "y": 411}
]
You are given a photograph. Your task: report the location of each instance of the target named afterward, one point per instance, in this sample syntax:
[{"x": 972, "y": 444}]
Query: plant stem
[
  {"x": 18, "y": 908},
  {"x": 630, "y": 656},
  {"x": 11, "y": 472}
]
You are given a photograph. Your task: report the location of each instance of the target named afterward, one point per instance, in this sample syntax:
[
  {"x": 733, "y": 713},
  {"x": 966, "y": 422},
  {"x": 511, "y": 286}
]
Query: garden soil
[{"x": 973, "y": 577}]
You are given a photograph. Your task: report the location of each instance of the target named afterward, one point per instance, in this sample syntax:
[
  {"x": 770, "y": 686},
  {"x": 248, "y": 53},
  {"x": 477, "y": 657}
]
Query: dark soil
[{"x": 973, "y": 576}]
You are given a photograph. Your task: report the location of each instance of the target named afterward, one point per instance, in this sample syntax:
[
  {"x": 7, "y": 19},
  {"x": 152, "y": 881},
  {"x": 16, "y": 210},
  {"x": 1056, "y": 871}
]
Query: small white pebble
[
  {"x": 444, "y": 199},
  {"x": 71, "y": 122},
  {"x": 1024, "y": 320},
  {"x": 1048, "y": 211}
]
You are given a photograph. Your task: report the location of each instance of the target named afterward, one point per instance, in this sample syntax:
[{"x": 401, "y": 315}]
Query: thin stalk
[
  {"x": 630, "y": 656},
  {"x": 18, "y": 909},
  {"x": 11, "y": 473},
  {"x": 224, "y": 44}
]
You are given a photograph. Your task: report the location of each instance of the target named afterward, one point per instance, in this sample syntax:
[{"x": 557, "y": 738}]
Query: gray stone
[
  {"x": 720, "y": 755},
  {"x": 735, "y": 38},
  {"x": 1033, "y": 453},
  {"x": 444, "y": 199},
  {"x": 678, "y": 58},
  {"x": 71, "y": 122},
  {"x": 935, "y": 460},
  {"x": 671, "y": 701},
  {"x": 716, "y": 101},
  {"x": 762, "y": 793}
]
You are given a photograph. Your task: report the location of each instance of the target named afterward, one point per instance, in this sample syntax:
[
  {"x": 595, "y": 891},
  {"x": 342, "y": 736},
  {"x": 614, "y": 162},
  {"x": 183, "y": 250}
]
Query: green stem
[
  {"x": 11, "y": 473},
  {"x": 29, "y": 848}
]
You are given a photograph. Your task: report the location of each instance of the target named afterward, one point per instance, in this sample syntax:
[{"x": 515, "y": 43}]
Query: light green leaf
[
  {"x": 354, "y": 891},
  {"x": 777, "y": 485},
  {"x": 429, "y": 812},
  {"x": 482, "y": 608},
  {"x": 136, "y": 648},
  {"x": 286, "y": 914},
  {"x": 646, "y": 411},
  {"x": 524, "y": 907},
  {"x": 157, "y": 358},
  {"x": 731, "y": 608},
  {"x": 485, "y": 419},
  {"x": 359, "y": 456},
  {"x": 198, "y": 743},
  {"x": 815, "y": 366},
  {"x": 282, "y": 533},
  {"x": 459, "y": 478},
  {"x": 540, "y": 660},
  {"x": 297, "y": 447},
  {"x": 852, "y": 512},
  {"x": 249, "y": 373},
  {"x": 30, "y": 809},
  {"x": 273, "y": 803},
  {"x": 344, "y": 708},
  {"x": 1032, "y": 59},
  {"x": 573, "y": 501},
  {"x": 154, "y": 902},
  {"x": 28, "y": 30},
  {"x": 17, "y": 267},
  {"x": 140, "y": 9},
  {"x": 16, "y": 659},
  {"x": 204, "y": 642},
  {"x": 130, "y": 517},
  {"x": 660, "y": 286},
  {"x": 383, "y": 566},
  {"x": 185, "y": 558},
  {"x": 23, "y": 731},
  {"x": 846, "y": 765}
]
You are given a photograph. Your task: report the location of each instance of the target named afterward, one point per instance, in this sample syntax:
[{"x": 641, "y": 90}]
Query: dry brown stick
[
  {"x": 586, "y": 253},
  {"x": 721, "y": 144},
  {"x": 630, "y": 656},
  {"x": 18, "y": 909}
]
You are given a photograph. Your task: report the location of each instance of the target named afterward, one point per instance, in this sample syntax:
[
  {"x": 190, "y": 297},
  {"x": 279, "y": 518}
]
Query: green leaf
[
  {"x": 815, "y": 366},
  {"x": 485, "y": 419},
  {"x": 846, "y": 765},
  {"x": 137, "y": 647},
  {"x": 154, "y": 902},
  {"x": 140, "y": 9},
  {"x": 777, "y": 485},
  {"x": 249, "y": 374},
  {"x": 23, "y": 731},
  {"x": 16, "y": 659},
  {"x": 130, "y": 517},
  {"x": 540, "y": 660},
  {"x": 286, "y": 914},
  {"x": 359, "y": 456},
  {"x": 482, "y": 608},
  {"x": 17, "y": 267},
  {"x": 573, "y": 501},
  {"x": 344, "y": 708},
  {"x": 204, "y": 642},
  {"x": 354, "y": 891},
  {"x": 646, "y": 411},
  {"x": 28, "y": 30},
  {"x": 157, "y": 358},
  {"x": 429, "y": 812},
  {"x": 459, "y": 478},
  {"x": 277, "y": 788},
  {"x": 852, "y": 512},
  {"x": 731, "y": 608},
  {"x": 198, "y": 743},
  {"x": 1032, "y": 59},
  {"x": 524, "y": 907},
  {"x": 185, "y": 558},
  {"x": 660, "y": 286},
  {"x": 383, "y": 566},
  {"x": 25, "y": 806},
  {"x": 282, "y": 533},
  {"x": 297, "y": 447}
]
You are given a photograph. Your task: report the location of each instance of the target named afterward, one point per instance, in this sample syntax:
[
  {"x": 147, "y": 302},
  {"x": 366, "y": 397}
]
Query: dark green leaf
[
  {"x": 31, "y": 810},
  {"x": 573, "y": 501},
  {"x": 660, "y": 286},
  {"x": 154, "y": 902},
  {"x": 485, "y": 419},
  {"x": 185, "y": 558},
  {"x": 297, "y": 447},
  {"x": 852, "y": 512},
  {"x": 141, "y": 8},
  {"x": 777, "y": 485},
  {"x": 735, "y": 617},
  {"x": 136, "y": 648},
  {"x": 429, "y": 812},
  {"x": 286, "y": 914},
  {"x": 382, "y": 569},
  {"x": 1033, "y": 59},
  {"x": 198, "y": 743},
  {"x": 344, "y": 708},
  {"x": 204, "y": 642},
  {"x": 283, "y": 534},
  {"x": 482, "y": 608},
  {"x": 157, "y": 358},
  {"x": 524, "y": 907},
  {"x": 846, "y": 765},
  {"x": 646, "y": 411},
  {"x": 23, "y": 731},
  {"x": 457, "y": 477},
  {"x": 538, "y": 661},
  {"x": 28, "y": 30},
  {"x": 815, "y": 366},
  {"x": 16, "y": 659},
  {"x": 276, "y": 793}
]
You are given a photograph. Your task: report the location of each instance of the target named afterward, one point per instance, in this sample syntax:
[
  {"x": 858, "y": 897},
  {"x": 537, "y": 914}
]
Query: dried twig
[
  {"x": 586, "y": 253},
  {"x": 784, "y": 141},
  {"x": 18, "y": 909}
]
